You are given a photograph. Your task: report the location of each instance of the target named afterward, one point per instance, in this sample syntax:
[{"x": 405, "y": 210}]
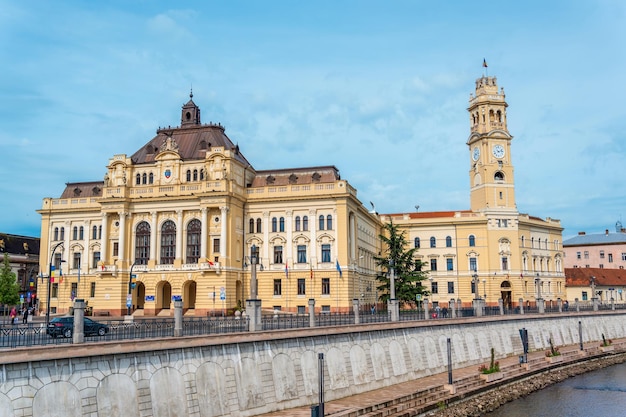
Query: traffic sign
[
  {"x": 222, "y": 293},
  {"x": 129, "y": 300}
]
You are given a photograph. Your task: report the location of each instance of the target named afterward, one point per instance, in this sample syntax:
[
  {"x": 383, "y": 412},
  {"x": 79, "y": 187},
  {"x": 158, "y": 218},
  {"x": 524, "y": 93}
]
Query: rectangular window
[
  {"x": 505, "y": 263},
  {"x": 610, "y": 257},
  {"x": 216, "y": 245},
  {"x": 585, "y": 296},
  {"x": 76, "y": 264},
  {"x": 326, "y": 253},
  {"x": 472, "y": 265},
  {"x": 278, "y": 254},
  {"x": 434, "y": 288},
  {"x": 586, "y": 254},
  {"x": 473, "y": 288},
  {"x": 601, "y": 265},
  {"x": 450, "y": 287},
  {"x": 623, "y": 256},
  {"x": 433, "y": 264},
  {"x": 278, "y": 287},
  {"x": 74, "y": 290},
  {"x": 116, "y": 248},
  {"x": 601, "y": 254},
  {"x": 92, "y": 290},
  {"x": 301, "y": 310},
  {"x": 301, "y": 286},
  {"x": 301, "y": 254},
  {"x": 578, "y": 255},
  {"x": 57, "y": 261},
  {"x": 325, "y": 309},
  {"x": 54, "y": 293},
  {"x": 96, "y": 259},
  {"x": 325, "y": 286},
  {"x": 450, "y": 264}
]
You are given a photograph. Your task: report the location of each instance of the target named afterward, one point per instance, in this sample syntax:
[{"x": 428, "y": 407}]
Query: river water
[{"x": 594, "y": 394}]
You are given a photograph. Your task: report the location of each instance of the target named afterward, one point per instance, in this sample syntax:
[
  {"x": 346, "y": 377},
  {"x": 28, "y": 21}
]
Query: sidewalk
[{"x": 425, "y": 393}]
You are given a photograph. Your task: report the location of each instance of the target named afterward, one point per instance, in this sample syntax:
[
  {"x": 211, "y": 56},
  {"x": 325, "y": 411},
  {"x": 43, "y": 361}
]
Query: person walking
[
  {"x": 13, "y": 315},
  {"x": 25, "y": 316}
]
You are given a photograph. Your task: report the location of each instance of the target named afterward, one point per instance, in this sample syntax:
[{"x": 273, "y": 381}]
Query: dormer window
[
  {"x": 293, "y": 178},
  {"x": 77, "y": 191},
  {"x": 270, "y": 180},
  {"x": 316, "y": 177}
]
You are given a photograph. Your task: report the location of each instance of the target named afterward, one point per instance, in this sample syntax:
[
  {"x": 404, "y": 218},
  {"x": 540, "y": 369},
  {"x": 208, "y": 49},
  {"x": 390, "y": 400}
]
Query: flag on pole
[
  {"x": 209, "y": 261},
  {"x": 52, "y": 274},
  {"x": 311, "y": 270},
  {"x": 338, "y": 268},
  {"x": 286, "y": 270},
  {"x": 484, "y": 63}
]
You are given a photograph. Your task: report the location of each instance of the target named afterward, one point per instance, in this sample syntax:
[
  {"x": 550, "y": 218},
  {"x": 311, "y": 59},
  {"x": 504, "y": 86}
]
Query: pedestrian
[
  {"x": 373, "y": 309},
  {"x": 566, "y": 305},
  {"x": 25, "y": 316},
  {"x": 13, "y": 315},
  {"x": 444, "y": 311},
  {"x": 437, "y": 311}
]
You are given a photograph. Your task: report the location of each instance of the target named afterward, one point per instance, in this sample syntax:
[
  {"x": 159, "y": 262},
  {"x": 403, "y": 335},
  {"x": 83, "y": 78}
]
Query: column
[
  {"x": 203, "y": 233},
  {"x": 153, "y": 235},
  {"x": 122, "y": 236},
  {"x": 289, "y": 230},
  {"x": 84, "y": 257},
  {"x": 224, "y": 211},
  {"x": 266, "y": 238},
  {"x": 179, "y": 234},
  {"x": 313, "y": 245},
  {"x": 104, "y": 250}
]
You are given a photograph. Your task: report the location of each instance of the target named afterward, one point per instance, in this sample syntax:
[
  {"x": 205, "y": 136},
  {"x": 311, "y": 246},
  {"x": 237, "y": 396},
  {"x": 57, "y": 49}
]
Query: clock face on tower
[
  {"x": 476, "y": 154},
  {"x": 498, "y": 151}
]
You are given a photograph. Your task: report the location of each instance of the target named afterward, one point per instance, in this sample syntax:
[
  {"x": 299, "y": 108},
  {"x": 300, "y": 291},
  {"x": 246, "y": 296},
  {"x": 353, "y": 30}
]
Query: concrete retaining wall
[{"x": 247, "y": 375}]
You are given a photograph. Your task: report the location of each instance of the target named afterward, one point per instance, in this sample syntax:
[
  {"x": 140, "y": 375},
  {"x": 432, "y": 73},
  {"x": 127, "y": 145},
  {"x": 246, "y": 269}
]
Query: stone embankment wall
[{"x": 250, "y": 374}]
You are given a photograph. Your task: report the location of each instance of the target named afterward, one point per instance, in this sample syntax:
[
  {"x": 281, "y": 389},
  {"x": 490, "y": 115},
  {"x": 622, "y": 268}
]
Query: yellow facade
[
  {"x": 511, "y": 255},
  {"x": 181, "y": 215}
]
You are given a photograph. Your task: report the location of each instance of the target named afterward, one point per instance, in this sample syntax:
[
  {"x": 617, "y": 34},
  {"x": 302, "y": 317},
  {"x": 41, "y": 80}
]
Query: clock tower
[{"x": 492, "y": 188}]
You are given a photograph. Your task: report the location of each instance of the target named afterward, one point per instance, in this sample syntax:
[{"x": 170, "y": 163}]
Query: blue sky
[{"x": 377, "y": 88}]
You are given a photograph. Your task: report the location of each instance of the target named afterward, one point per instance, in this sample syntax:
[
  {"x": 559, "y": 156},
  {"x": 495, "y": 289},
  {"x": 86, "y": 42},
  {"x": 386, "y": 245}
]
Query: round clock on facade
[
  {"x": 476, "y": 154},
  {"x": 498, "y": 151}
]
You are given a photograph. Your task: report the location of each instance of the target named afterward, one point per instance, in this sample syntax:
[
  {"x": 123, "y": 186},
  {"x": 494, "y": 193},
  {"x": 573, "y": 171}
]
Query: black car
[{"x": 64, "y": 326}]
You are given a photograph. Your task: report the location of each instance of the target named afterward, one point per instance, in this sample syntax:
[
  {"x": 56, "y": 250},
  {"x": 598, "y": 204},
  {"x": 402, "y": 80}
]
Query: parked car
[{"x": 64, "y": 326}]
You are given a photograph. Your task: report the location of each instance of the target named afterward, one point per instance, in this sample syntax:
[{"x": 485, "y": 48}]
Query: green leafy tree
[
  {"x": 408, "y": 273},
  {"x": 9, "y": 290}
]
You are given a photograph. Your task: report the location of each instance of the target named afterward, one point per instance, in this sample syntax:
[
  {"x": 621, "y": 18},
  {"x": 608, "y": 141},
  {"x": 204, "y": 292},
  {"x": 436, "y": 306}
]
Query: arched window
[
  {"x": 144, "y": 178},
  {"x": 305, "y": 223},
  {"x": 194, "y": 228},
  {"x": 498, "y": 176},
  {"x": 94, "y": 232},
  {"x": 56, "y": 233},
  {"x": 433, "y": 242},
  {"x": 321, "y": 221},
  {"x": 499, "y": 116},
  {"x": 416, "y": 242},
  {"x": 195, "y": 175},
  {"x": 251, "y": 228},
  {"x": 62, "y": 237},
  {"x": 100, "y": 232},
  {"x": 81, "y": 233},
  {"x": 472, "y": 240},
  {"x": 142, "y": 243},
  {"x": 151, "y": 178},
  {"x": 448, "y": 242},
  {"x": 329, "y": 222},
  {"x": 523, "y": 240},
  {"x": 297, "y": 223},
  {"x": 168, "y": 242},
  {"x": 75, "y": 233},
  {"x": 258, "y": 226},
  {"x": 138, "y": 179},
  {"x": 202, "y": 174},
  {"x": 188, "y": 175},
  {"x": 274, "y": 225},
  {"x": 281, "y": 224}
]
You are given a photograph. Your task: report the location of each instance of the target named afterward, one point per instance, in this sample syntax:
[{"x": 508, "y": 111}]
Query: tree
[
  {"x": 9, "y": 290},
  {"x": 407, "y": 268}
]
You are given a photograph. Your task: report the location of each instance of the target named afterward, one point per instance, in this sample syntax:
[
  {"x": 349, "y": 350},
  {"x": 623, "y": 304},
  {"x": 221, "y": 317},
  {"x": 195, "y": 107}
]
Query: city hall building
[{"x": 186, "y": 216}]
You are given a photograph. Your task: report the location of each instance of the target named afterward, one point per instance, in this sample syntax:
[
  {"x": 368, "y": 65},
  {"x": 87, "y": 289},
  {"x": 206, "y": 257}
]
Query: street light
[
  {"x": 485, "y": 288},
  {"x": 476, "y": 281},
  {"x": 50, "y": 281},
  {"x": 129, "y": 297}
]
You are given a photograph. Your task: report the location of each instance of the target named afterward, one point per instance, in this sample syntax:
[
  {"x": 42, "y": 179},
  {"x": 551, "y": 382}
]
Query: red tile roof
[{"x": 580, "y": 277}]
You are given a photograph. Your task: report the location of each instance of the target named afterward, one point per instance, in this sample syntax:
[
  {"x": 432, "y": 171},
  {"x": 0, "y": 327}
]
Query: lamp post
[
  {"x": 540, "y": 305},
  {"x": 393, "y": 302},
  {"x": 253, "y": 305},
  {"x": 485, "y": 288},
  {"x": 50, "y": 281},
  {"x": 129, "y": 296},
  {"x": 594, "y": 300},
  {"x": 476, "y": 281}
]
